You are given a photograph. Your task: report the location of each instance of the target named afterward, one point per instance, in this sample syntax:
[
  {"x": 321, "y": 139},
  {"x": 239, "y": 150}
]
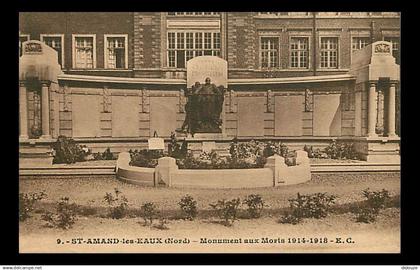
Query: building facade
[{"x": 292, "y": 76}]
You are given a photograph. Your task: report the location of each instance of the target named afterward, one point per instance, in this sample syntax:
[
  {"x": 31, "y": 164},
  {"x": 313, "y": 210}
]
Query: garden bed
[{"x": 89, "y": 190}]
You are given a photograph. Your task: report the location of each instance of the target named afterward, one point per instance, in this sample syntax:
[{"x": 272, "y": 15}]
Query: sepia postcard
[{"x": 209, "y": 132}]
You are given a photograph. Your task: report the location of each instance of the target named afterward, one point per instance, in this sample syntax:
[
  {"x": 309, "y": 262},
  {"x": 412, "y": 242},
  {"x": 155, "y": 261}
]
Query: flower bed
[
  {"x": 247, "y": 155},
  {"x": 167, "y": 173}
]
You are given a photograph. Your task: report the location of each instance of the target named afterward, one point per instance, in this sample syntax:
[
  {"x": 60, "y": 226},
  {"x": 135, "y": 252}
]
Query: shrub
[
  {"x": 227, "y": 210},
  {"x": 65, "y": 214},
  {"x": 118, "y": 204},
  {"x": 162, "y": 224},
  {"x": 148, "y": 212},
  {"x": 188, "y": 207},
  {"x": 366, "y": 214},
  {"x": 255, "y": 205},
  {"x": 145, "y": 157},
  {"x": 341, "y": 150},
  {"x": 175, "y": 150},
  {"x": 248, "y": 151},
  {"x": 314, "y": 153},
  {"x": 290, "y": 218},
  {"x": 309, "y": 206},
  {"x": 106, "y": 155},
  {"x": 68, "y": 151},
  {"x": 376, "y": 199},
  {"x": 26, "y": 203}
]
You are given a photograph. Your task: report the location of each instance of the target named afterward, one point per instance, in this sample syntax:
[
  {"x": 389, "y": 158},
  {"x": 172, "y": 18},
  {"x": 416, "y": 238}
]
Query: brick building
[
  {"x": 256, "y": 45},
  {"x": 290, "y": 74}
]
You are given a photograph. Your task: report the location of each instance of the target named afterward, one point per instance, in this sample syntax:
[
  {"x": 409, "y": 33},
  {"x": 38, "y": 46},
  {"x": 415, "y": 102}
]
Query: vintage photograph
[{"x": 209, "y": 132}]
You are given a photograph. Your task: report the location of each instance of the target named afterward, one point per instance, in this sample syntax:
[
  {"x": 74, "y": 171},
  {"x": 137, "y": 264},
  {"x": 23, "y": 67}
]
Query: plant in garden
[
  {"x": 162, "y": 225},
  {"x": 227, "y": 210},
  {"x": 65, "y": 214},
  {"x": 26, "y": 203},
  {"x": 106, "y": 155},
  {"x": 308, "y": 206},
  {"x": 244, "y": 155},
  {"x": 68, "y": 151},
  {"x": 148, "y": 211},
  {"x": 175, "y": 150},
  {"x": 314, "y": 153},
  {"x": 366, "y": 214},
  {"x": 255, "y": 205},
  {"x": 290, "y": 218},
  {"x": 145, "y": 157},
  {"x": 118, "y": 204},
  {"x": 341, "y": 150},
  {"x": 375, "y": 201},
  {"x": 188, "y": 207}
]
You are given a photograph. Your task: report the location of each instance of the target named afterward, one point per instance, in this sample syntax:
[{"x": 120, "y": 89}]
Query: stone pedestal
[
  {"x": 277, "y": 165},
  {"x": 35, "y": 156},
  {"x": 208, "y": 142},
  {"x": 166, "y": 165},
  {"x": 379, "y": 149}
]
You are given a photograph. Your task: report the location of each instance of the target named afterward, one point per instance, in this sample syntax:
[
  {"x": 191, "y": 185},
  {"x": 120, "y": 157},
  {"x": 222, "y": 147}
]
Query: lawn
[{"x": 89, "y": 191}]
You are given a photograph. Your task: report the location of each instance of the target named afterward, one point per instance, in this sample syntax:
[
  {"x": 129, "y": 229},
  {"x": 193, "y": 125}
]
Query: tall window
[
  {"x": 269, "y": 52},
  {"x": 183, "y": 46},
  {"x": 55, "y": 42},
  {"x": 22, "y": 38},
  {"x": 84, "y": 51},
  {"x": 115, "y": 51},
  {"x": 358, "y": 43},
  {"x": 329, "y": 52},
  {"x": 299, "y": 51},
  {"x": 395, "y": 41}
]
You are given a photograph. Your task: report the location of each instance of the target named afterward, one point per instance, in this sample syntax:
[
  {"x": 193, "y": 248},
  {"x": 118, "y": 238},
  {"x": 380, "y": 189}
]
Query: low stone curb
[{"x": 110, "y": 170}]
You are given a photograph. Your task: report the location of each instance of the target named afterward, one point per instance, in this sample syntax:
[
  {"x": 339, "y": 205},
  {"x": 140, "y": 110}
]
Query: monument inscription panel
[{"x": 201, "y": 67}]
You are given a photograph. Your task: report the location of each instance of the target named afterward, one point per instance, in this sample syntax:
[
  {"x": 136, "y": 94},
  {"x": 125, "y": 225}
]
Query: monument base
[
  {"x": 379, "y": 149},
  {"x": 35, "y": 156},
  {"x": 208, "y": 142}
]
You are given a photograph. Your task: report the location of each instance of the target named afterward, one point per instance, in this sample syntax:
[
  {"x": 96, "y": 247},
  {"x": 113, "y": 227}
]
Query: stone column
[
  {"x": 23, "y": 112},
  {"x": 372, "y": 109},
  {"x": 45, "y": 114},
  {"x": 391, "y": 110}
]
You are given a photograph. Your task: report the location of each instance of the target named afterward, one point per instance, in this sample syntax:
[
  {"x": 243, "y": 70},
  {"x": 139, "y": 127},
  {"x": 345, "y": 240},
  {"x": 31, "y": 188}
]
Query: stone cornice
[{"x": 306, "y": 79}]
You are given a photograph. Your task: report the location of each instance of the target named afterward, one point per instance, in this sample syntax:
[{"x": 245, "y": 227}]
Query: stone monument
[
  {"x": 204, "y": 107},
  {"x": 207, "y": 83},
  {"x": 205, "y": 100}
]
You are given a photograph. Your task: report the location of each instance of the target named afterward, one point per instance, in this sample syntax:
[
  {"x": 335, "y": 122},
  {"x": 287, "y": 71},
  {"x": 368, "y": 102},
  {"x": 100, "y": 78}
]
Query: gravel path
[{"x": 90, "y": 190}]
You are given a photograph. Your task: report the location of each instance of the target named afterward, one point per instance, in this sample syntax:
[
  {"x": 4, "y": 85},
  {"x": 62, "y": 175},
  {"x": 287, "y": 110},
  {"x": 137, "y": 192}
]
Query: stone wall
[{"x": 120, "y": 112}]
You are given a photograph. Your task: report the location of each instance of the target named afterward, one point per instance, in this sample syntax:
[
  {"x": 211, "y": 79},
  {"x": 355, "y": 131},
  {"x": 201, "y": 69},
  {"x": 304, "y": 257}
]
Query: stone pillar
[
  {"x": 23, "y": 112},
  {"x": 45, "y": 114},
  {"x": 391, "y": 110},
  {"x": 166, "y": 166},
  {"x": 277, "y": 165},
  {"x": 372, "y": 109}
]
